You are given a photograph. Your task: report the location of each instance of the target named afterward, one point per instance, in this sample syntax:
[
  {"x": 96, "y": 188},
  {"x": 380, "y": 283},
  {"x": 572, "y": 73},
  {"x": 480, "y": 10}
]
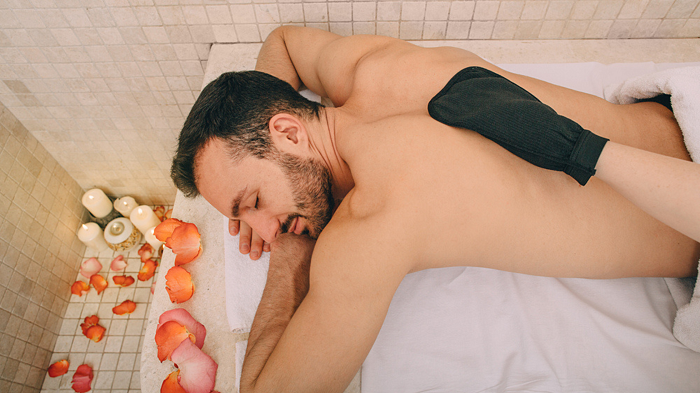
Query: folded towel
[
  {"x": 245, "y": 281},
  {"x": 683, "y": 85}
]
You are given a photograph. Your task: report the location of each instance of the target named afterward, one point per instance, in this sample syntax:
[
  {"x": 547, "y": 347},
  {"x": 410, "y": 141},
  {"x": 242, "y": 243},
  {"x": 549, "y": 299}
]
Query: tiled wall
[
  {"x": 105, "y": 85},
  {"x": 39, "y": 254}
]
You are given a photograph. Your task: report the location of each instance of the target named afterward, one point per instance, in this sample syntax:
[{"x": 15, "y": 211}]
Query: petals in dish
[
  {"x": 98, "y": 282},
  {"x": 126, "y": 307},
  {"x": 168, "y": 336},
  {"x": 59, "y": 368},
  {"x": 181, "y": 316},
  {"x": 123, "y": 281},
  {"x": 90, "y": 267},
  {"x": 82, "y": 378},
  {"x": 147, "y": 270},
  {"x": 197, "y": 369},
  {"x": 165, "y": 229},
  {"x": 171, "y": 384},
  {"x": 79, "y": 288},
  {"x": 118, "y": 263},
  {"x": 185, "y": 243},
  {"x": 178, "y": 283},
  {"x": 146, "y": 252},
  {"x": 91, "y": 328}
]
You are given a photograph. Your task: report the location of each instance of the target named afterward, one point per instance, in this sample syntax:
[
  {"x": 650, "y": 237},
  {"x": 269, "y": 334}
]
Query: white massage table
[{"x": 474, "y": 329}]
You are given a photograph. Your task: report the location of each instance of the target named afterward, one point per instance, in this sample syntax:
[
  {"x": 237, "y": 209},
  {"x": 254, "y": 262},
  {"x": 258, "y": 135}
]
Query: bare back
[{"x": 482, "y": 206}]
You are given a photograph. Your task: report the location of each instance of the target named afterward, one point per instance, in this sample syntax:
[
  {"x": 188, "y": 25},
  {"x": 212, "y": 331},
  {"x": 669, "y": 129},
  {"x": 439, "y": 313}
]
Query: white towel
[
  {"x": 245, "y": 281},
  {"x": 683, "y": 85}
]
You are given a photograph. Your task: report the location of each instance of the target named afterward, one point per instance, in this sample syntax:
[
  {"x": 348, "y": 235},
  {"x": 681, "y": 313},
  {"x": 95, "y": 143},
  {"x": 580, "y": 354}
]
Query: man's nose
[{"x": 265, "y": 227}]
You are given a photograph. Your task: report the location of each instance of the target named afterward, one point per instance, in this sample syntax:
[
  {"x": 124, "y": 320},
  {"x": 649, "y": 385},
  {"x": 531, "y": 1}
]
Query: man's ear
[{"x": 288, "y": 133}]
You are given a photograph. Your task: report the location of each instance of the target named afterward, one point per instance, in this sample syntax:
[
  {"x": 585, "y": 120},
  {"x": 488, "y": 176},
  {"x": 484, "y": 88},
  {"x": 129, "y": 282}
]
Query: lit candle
[
  {"x": 125, "y": 205},
  {"x": 144, "y": 218},
  {"x": 97, "y": 203},
  {"x": 152, "y": 240},
  {"x": 91, "y": 234}
]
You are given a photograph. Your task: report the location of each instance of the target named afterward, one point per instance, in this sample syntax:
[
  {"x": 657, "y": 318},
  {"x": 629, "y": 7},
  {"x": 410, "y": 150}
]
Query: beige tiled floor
[{"x": 116, "y": 359}]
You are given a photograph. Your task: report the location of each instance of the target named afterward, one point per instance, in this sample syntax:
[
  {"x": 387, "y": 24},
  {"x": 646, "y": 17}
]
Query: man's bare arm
[
  {"x": 323, "y": 62},
  {"x": 352, "y": 280},
  {"x": 286, "y": 286},
  {"x": 292, "y": 54}
]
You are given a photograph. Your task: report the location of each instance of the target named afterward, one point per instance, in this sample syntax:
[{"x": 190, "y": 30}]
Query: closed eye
[{"x": 256, "y": 202}]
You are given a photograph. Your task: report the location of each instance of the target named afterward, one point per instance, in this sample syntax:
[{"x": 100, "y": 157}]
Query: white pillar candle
[
  {"x": 144, "y": 218},
  {"x": 97, "y": 203},
  {"x": 91, "y": 234},
  {"x": 152, "y": 240},
  {"x": 125, "y": 205}
]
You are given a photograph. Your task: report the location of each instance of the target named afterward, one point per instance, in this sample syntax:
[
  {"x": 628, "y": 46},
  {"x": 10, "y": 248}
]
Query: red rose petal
[
  {"x": 123, "y": 281},
  {"x": 147, "y": 270},
  {"x": 165, "y": 229},
  {"x": 59, "y": 368},
  {"x": 168, "y": 336},
  {"x": 98, "y": 282},
  {"x": 181, "y": 316},
  {"x": 185, "y": 243},
  {"x": 171, "y": 384},
  {"x": 126, "y": 307},
  {"x": 82, "y": 378},
  {"x": 146, "y": 252},
  {"x": 178, "y": 283},
  {"x": 79, "y": 288}
]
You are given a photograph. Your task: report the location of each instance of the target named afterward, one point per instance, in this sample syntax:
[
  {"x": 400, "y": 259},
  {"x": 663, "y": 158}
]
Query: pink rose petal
[
  {"x": 197, "y": 369},
  {"x": 181, "y": 316},
  {"x": 118, "y": 264},
  {"x": 82, "y": 378},
  {"x": 90, "y": 267}
]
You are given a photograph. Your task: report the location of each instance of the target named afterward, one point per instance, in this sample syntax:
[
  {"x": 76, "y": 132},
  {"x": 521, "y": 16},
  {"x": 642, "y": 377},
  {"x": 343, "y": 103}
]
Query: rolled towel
[{"x": 683, "y": 85}]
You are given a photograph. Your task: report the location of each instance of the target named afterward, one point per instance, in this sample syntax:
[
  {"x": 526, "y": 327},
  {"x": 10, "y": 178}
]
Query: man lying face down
[{"x": 416, "y": 193}]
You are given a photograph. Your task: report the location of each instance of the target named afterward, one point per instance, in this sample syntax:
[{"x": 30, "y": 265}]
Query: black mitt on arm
[{"x": 483, "y": 101}]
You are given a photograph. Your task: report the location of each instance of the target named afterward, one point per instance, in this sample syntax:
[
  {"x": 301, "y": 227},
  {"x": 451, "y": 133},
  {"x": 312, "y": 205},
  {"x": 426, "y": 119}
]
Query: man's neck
[{"x": 325, "y": 148}]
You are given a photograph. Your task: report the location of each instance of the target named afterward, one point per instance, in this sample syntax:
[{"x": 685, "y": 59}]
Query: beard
[{"x": 310, "y": 182}]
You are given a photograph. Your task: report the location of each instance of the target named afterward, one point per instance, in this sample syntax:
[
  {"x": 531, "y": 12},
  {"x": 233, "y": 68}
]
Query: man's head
[{"x": 226, "y": 148}]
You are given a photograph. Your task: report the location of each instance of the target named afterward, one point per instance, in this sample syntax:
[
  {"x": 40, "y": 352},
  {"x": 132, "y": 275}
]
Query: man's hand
[{"x": 249, "y": 241}]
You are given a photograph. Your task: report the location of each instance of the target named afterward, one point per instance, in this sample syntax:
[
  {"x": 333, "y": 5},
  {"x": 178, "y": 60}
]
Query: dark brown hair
[{"x": 237, "y": 108}]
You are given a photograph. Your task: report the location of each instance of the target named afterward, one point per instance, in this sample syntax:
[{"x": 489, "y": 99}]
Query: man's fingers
[
  {"x": 245, "y": 238},
  {"x": 266, "y": 247},
  {"x": 233, "y": 227},
  {"x": 256, "y": 246}
]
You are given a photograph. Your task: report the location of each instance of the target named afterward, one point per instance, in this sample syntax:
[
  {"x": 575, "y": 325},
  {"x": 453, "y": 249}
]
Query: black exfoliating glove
[{"x": 483, "y": 101}]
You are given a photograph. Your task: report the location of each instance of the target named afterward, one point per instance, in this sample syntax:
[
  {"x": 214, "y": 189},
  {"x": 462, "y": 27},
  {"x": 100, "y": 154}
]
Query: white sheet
[{"x": 482, "y": 330}]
